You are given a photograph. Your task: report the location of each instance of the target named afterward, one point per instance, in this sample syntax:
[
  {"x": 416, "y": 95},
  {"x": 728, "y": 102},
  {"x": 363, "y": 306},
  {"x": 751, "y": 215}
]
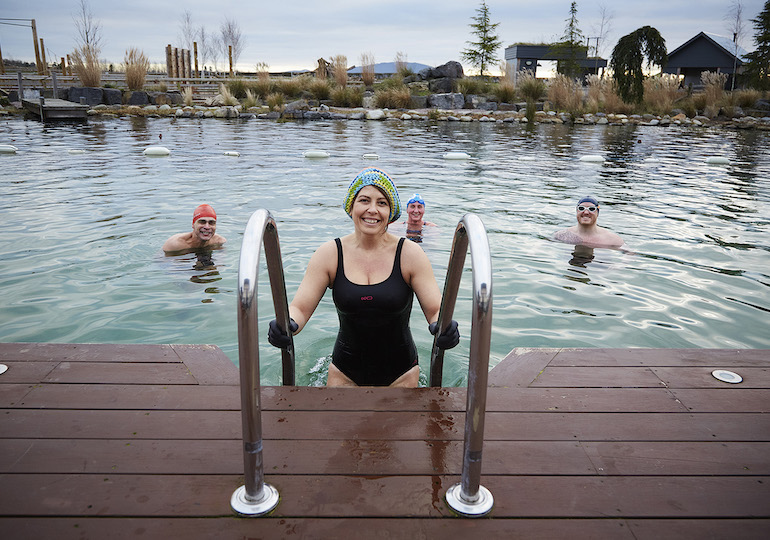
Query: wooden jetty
[
  {"x": 124, "y": 441},
  {"x": 56, "y": 109}
]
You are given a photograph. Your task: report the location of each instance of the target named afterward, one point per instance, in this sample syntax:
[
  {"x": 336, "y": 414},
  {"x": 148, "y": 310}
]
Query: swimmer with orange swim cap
[{"x": 203, "y": 234}]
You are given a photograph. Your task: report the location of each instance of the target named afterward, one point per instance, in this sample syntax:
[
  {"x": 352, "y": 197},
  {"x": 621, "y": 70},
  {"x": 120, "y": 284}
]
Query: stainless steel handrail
[
  {"x": 256, "y": 497},
  {"x": 469, "y": 497}
]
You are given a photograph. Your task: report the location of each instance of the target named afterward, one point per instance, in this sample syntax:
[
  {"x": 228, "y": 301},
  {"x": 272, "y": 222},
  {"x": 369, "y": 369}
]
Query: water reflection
[{"x": 581, "y": 256}]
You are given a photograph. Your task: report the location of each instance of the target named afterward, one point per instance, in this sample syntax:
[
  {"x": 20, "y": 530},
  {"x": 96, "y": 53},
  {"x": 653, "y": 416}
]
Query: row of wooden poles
[{"x": 178, "y": 64}]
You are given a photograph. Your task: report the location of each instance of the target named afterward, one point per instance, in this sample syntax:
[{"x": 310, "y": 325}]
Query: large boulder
[
  {"x": 139, "y": 98},
  {"x": 441, "y": 86},
  {"x": 112, "y": 96},
  {"x": 451, "y": 70},
  {"x": 91, "y": 95},
  {"x": 175, "y": 97},
  {"x": 447, "y": 101}
]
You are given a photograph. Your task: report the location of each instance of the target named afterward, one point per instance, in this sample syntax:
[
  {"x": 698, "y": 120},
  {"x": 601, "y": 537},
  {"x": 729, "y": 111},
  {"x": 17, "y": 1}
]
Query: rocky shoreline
[{"x": 448, "y": 107}]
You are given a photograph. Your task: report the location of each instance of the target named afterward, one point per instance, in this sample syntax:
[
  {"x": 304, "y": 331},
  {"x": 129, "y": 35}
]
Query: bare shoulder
[
  {"x": 177, "y": 242},
  {"x": 568, "y": 236}
]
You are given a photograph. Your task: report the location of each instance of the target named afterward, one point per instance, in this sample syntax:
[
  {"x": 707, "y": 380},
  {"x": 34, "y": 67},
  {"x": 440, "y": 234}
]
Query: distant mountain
[{"x": 389, "y": 68}]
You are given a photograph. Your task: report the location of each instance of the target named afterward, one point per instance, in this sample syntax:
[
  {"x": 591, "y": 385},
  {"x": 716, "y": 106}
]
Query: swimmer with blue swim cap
[
  {"x": 587, "y": 232},
  {"x": 415, "y": 213}
]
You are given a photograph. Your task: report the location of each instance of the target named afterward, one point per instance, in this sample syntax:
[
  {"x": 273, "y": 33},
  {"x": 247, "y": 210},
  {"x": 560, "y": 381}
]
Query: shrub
[
  {"x": 367, "y": 68},
  {"x": 227, "y": 97},
  {"x": 237, "y": 88},
  {"x": 505, "y": 91},
  {"x": 187, "y": 96},
  {"x": 261, "y": 87},
  {"x": 340, "y": 70},
  {"x": 396, "y": 98},
  {"x": 137, "y": 65},
  {"x": 746, "y": 98},
  {"x": 289, "y": 87},
  {"x": 714, "y": 86},
  {"x": 470, "y": 85},
  {"x": 566, "y": 94},
  {"x": 251, "y": 99},
  {"x": 660, "y": 93},
  {"x": 275, "y": 101},
  {"x": 529, "y": 87},
  {"x": 85, "y": 63},
  {"x": 391, "y": 83},
  {"x": 319, "y": 89},
  {"x": 263, "y": 73},
  {"x": 347, "y": 97},
  {"x": 402, "y": 66}
]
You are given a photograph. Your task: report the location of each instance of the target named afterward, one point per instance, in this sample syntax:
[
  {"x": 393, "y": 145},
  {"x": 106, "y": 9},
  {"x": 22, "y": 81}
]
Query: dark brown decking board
[{"x": 116, "y": 441}]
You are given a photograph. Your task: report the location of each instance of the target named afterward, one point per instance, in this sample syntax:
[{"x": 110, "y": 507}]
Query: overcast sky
[{"x": 294, "y": 34}]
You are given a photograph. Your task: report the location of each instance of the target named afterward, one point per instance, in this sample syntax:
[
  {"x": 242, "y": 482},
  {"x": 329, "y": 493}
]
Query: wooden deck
[
  {"x": 119, "y": 441},
  {"x": 56, "y": 109}
]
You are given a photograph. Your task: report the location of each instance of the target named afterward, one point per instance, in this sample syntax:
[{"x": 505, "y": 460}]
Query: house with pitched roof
[{"x": 706, "y": 52}]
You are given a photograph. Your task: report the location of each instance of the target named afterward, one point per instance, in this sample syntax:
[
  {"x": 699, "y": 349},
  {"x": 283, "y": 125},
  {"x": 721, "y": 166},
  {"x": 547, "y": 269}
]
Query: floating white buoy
[
  {"x": 3, "y": 368},
  {"x": 315, "y": 154},
  {"x": 652, "y": 160},
  {"x": 7, "y": 149},
  {"x": 456, "y": 155},
  {"x": 156, "y": 151},
  {"x": 592, "y": 159},
  {"x": 527, "y": 158},
  {"x": 75, "y": 151},
  {"x": 233, "y": 153},
  {"x": 717, "y": 160},
  {"x": 371, "y": 156}
]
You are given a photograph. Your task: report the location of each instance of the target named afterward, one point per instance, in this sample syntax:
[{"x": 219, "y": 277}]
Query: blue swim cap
[
  {"x": 415, "y": 198},
  {"x": 590, "y": 199}
]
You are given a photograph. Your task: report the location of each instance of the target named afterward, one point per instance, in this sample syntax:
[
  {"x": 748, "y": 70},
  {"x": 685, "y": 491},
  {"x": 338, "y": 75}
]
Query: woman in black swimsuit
[{"x": 373, "y": 275}]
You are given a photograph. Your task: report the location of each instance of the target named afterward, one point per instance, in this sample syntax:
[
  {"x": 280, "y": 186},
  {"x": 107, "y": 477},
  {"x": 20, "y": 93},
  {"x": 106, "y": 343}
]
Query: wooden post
[
  {"x": 230, "y": 54},
  {"x": 182, "y": 62},
  {"x": 37, "y": 50},
  {"x": 187, "y": 62},
  {"x": 21, "y": 86},
  {"x": 42, "y": 57},
  {"x": 195, "y": 50},
  {"x": 168, "y": 61},
  {"x": 69, "y": 65},
  {"x": 2, "y": 66},
  {"x": 63, "y": 67}
]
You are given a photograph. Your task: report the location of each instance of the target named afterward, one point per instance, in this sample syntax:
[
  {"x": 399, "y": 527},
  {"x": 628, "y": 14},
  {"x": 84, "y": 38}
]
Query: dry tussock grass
[{"x": 340, "y": 70}]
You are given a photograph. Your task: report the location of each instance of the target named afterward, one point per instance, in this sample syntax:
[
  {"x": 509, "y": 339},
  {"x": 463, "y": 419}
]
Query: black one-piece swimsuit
[{"x": 374, "y": 345}]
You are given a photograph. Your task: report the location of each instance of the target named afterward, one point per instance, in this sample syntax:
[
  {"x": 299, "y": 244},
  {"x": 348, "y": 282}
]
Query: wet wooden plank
[
  {"x": 320, "y": 425},
  {"x": 591, "y": 377},
  {"x": 86, "y": 352},
  {"x": 715, "y": 358},
  {"x": 677, "y": 377},
  {"x": 729, "y": 400},
  {"x": 336, "y": 457},
  {"x": 520, "y": 367},
  {"x": 26, "y": 372},
  {"x": 123, "y": 373},
  {"x": 413, "y": 496},
  {"x": 279, "y": 527},
  {"x": 208, "y": 364},
  {"x": 11, "y": 395}
]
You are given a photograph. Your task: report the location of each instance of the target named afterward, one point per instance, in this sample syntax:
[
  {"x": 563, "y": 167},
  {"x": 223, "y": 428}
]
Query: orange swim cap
[{"x": 203, "y": 210}]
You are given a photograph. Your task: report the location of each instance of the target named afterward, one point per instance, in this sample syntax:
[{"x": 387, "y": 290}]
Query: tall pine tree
[
  {"x": 481, "y": 53},
  {"x": 566, "y": 51},
  {"x": 757, "y": 72}
]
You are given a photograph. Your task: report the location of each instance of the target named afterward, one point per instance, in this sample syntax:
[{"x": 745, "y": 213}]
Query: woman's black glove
[
  {"x": 279, "y": 338},
  {"x": 449, "y": 337}
]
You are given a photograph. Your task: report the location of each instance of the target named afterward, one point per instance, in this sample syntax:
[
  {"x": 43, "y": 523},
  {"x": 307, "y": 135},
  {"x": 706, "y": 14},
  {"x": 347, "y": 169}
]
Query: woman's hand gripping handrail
[
  {"x": 256, "y": 497},
  {"x": 469, "y": 498}
]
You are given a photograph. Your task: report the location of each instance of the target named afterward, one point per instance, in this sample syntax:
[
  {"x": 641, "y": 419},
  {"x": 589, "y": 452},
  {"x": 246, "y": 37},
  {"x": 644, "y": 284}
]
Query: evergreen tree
[
  {"x": 481, "y": 53},
  {"x": 628, "y": 56},
  {"x": 566, "y": 51},
  {"x": 757, "y": 70}
]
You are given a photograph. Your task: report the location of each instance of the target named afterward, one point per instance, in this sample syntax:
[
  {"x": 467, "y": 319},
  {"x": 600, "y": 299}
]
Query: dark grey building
[
  {"x": 523, "y": 56},
  {"x": 706, "y": 52}
]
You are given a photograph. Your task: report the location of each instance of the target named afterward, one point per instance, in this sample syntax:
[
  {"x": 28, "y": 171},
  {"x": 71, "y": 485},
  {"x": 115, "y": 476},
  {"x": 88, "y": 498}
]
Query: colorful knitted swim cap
[
  {"x": 203, "y": 210},
  {"x": 377, "y": 178},
  {"x": 415, "y": 198}
]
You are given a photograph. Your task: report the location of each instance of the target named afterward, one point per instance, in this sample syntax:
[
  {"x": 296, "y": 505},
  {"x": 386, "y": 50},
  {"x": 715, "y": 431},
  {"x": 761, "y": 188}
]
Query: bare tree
[
  {"x": 89, "y": 29},
  {"x": 602, "y": 29},
  {"x": 737, "y": 27},
  {"x": 187, "y": 31},
  {"x": 231, "y": 36},
  {"x": 206, "y": 47}
]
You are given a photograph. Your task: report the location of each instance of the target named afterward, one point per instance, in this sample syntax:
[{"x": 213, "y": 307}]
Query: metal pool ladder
[
  {"x": 256, "y": 497},
  {"x": 469, "y": 498}
]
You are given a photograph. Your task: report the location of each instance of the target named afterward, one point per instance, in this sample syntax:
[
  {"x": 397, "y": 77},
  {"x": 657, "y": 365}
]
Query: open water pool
[{"x": 81, "y": 259}]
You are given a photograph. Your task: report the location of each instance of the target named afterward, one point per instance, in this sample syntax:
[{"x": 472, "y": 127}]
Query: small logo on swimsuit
[{"x": 367, "y": 298}]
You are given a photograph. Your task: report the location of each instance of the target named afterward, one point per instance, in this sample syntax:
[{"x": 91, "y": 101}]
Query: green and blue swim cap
[
  {"x": 377, "y": 178},
  {"x": 416, "y": 198}
]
